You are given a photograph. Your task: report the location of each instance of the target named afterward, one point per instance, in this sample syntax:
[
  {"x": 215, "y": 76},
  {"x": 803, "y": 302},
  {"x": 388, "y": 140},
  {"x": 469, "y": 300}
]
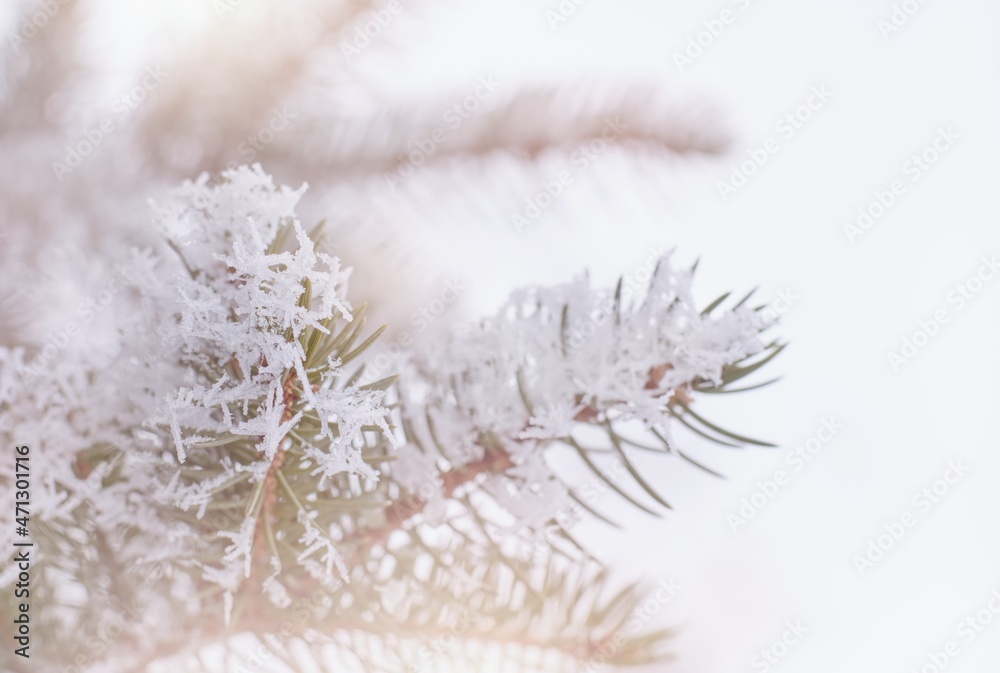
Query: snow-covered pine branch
[
  {"x": 551, "y": 361},
  {"x": 228, "y": 439}
]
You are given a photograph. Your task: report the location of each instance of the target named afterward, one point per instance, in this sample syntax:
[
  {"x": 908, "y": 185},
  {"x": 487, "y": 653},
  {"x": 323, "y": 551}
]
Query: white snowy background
[{"x": 853, "y": 301}]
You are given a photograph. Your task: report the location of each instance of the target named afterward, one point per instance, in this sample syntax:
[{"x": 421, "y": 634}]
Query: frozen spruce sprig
[
  {"x": 556, "y": 363},
  {"x": 267, "y": 414},
  {"x": 229, "y": 441},
  {"x": 482, "y": 412}
]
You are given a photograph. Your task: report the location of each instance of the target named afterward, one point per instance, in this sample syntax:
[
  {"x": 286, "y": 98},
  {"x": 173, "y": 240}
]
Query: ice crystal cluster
[
  {"x": 229, "y": 438},
  {"x": 554, "y": 359},
  {"x": 244, "y": 306}
]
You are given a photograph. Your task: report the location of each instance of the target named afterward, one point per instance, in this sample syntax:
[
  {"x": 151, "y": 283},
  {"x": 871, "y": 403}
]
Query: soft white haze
[{"x": 853, "y": 297}]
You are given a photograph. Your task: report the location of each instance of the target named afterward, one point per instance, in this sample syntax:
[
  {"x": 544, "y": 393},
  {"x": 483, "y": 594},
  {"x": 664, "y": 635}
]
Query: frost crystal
[
  {"x": 218, "y": 433},
  {"x": 244, "y": 301},
  {"x": 553, "y": 358}
]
